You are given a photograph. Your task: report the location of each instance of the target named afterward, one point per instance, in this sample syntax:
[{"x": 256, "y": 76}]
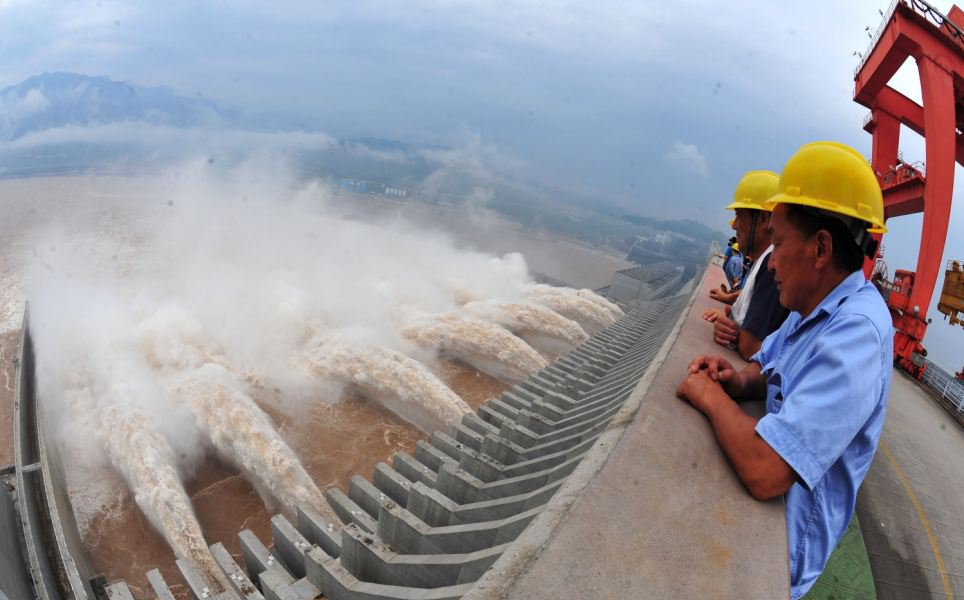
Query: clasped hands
[
  {"x": 725, "y": 329},
  {"x": 708, "y": 380}
]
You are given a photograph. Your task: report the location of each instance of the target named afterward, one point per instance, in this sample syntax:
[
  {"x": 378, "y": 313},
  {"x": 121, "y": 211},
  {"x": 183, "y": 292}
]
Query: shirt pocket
[{"x": 774, "y": 392}]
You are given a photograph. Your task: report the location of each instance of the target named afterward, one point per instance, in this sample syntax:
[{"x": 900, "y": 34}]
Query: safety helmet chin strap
[{"x": 754, "y": 217}]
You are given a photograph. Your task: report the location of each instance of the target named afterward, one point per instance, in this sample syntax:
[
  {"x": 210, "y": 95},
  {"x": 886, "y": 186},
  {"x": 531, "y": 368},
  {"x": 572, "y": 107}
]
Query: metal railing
[
  {"x": 925, "y": 10},
  {"x": 876, "y": 36},
  {"x": 947, "y": 387},
  {"x": 902, "y": 173}
]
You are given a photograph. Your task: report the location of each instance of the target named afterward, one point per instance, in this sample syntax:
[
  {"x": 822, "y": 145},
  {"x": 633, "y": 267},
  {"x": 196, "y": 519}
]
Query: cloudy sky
[{"x": 656, "y": 105}]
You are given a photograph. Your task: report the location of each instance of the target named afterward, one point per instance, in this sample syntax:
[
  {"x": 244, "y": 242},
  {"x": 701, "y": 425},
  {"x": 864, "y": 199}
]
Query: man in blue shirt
[
  {"x": 733, "y": 268},
  {"x": 825, "y": 372},
  {"x": 729, "y": 249}
]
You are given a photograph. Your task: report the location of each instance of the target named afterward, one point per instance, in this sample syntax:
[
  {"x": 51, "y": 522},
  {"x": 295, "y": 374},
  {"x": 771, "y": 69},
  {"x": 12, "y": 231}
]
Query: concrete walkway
[
  {"x": 911, "y": 506},
  {"x": 664, "y": 517}
]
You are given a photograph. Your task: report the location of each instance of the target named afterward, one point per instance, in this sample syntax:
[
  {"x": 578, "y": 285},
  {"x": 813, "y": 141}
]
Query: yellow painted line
[{"x": 923, "y": 519}]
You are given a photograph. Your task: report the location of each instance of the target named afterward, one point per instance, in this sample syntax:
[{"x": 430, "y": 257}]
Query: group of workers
[
  {"x": 818, "y": 340},
  {"x": 733, "y": 266}
]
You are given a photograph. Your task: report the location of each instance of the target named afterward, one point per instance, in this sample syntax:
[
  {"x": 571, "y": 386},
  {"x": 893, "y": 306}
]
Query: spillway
[
  {"x": 592, "y": 316},
  {"x": 399, "y": 383},
  {"x": 483, "y": 345},
  {"x": 245, "y": 436},
  {"x": 538, "y": 324}
]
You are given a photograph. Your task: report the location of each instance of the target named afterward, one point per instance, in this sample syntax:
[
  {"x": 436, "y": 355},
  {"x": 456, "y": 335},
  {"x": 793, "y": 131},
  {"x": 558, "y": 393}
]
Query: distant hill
[{"x": 52, "y": 100}]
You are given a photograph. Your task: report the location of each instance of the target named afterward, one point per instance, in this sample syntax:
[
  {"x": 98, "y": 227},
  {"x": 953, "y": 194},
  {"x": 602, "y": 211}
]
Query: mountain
[{"x": 52, "y": 100}]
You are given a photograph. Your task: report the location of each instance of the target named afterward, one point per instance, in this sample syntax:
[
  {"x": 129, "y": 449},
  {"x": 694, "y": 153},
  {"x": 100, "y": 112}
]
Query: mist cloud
[
  {"x": 186, "y": 140},
  {"x": 689, "y": 158}
]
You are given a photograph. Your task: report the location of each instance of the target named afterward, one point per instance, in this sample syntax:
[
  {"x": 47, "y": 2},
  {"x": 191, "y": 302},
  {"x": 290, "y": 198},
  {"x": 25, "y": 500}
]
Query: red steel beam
[
  {"x": 940, "y": 62},
  {"x": 906, "y": 34},
  {"x": 940, "y": 123},
  {"x": 904, "y": 200},
  {"x": 906, "y": 111}
]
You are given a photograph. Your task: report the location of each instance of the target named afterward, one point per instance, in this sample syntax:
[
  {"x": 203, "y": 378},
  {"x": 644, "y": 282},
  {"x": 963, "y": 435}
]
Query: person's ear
[{"x": 823, "y": 249}]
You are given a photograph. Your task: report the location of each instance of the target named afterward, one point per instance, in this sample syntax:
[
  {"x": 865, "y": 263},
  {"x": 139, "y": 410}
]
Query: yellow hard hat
[
  {"x": 834, "y": 178},
  {"x": 754, "y": 189},
  {"x": 736, "y": 246}
]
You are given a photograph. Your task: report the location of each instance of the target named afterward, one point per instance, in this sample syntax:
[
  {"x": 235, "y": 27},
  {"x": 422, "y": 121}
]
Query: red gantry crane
[{"x": 915, "y": 29}]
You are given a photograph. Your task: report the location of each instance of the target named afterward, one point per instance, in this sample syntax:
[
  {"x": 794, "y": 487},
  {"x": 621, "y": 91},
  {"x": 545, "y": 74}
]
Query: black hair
[{"x": 846, "y": 253}]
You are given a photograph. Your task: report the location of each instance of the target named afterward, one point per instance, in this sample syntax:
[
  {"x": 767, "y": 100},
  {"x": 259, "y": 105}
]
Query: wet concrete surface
[
  {"x": 911, "y": 506},
  {"x": 9, "y": 348}
]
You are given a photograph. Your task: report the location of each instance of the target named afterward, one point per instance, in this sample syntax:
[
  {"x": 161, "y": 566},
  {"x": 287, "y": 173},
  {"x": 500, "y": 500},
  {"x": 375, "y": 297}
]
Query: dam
[{"x": 589, "y": 478}]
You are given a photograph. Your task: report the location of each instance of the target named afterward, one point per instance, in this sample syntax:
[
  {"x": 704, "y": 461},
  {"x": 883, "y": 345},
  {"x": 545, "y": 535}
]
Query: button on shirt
[{"x": 827, "y": 381}]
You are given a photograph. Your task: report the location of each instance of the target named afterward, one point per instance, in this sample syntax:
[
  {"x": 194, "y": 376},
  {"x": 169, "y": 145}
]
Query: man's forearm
[
  {"x": 747, "y": 344},
  {"x": 752, "y": 382},
  {"x": 760, "y": 469}
]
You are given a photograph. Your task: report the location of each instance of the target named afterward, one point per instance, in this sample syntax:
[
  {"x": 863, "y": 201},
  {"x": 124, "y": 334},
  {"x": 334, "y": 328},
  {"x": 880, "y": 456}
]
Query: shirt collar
[{"x": 846, "y": 288}]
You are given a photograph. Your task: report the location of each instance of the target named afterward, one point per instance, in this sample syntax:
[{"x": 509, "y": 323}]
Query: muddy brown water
[{"x": 334, "y": 441}]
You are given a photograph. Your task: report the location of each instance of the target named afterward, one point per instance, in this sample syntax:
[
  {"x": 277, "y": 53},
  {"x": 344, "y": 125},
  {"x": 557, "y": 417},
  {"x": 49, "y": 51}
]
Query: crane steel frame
[{"x": 913, "y": 28}]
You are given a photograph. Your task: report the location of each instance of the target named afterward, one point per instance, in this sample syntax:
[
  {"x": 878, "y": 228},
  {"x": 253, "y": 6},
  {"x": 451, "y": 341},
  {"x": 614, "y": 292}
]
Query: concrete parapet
[
  {"x": 118, "y": 591},
  {"x": 371, "y": 560},
  {"x": 337, "y": 583},
  {"x": 406, "y": 533},
  {"x": 392, "y": 483},
  {"x": 159, "y": 586},
  {"x": 289, "y": 544},
  {"x": 240, "y": 583},
  {"x": 348, "y": 511},
  {"x": 319, "y": 531}
]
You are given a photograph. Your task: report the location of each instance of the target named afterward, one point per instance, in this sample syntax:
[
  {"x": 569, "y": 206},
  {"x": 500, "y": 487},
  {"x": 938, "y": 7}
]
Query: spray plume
[
  {"x": 533, "y": 322},
  {"x": 252, "y": 258},
  {"x": 237, "y": 427},
  {"x": 483, "y": 345},
  {"x": 592, "y": 296},
  {"x": 147, "y": 462},
  {"x": 567, "y": 302},
  {"x": 397, "y": 382}
]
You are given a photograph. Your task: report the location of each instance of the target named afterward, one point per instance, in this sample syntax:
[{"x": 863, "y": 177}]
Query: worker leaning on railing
[
  {"x": 825, "y": 372},
  {"x": 756, "y": 311}
]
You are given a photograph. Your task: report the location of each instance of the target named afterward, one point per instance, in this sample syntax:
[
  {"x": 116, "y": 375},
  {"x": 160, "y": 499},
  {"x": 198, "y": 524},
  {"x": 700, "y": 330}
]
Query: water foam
[
  {"x": 592, "y": 296},
  {"x": 592, "y": 316},
  {"x": 529, "y": 320},
  {"x": 399, "y": 383},
  {"x": 483, "y": 345},
  {"x": 148, "y": 464},
  {"x": 236, "y": 426}
]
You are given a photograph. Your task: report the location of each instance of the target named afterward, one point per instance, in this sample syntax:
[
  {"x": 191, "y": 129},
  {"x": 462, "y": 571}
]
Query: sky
[{"x": 658, "y": 106}]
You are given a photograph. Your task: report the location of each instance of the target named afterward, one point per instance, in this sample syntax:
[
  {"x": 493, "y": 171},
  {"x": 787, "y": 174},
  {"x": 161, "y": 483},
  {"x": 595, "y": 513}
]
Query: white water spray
[
  {"x": 483, "y": 345},
  {"x": 399, "y": 383},
  {"x": 237, "y": 427},
  {"x": 567, "y": 302},
  {"x": 592, "y": 296},
  {"x": 535, "y": 323},
  {"x": 148, "y": 464}
]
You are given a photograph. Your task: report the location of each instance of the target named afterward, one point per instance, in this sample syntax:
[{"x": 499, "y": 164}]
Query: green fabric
[{"x": 847, "y": 575}]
